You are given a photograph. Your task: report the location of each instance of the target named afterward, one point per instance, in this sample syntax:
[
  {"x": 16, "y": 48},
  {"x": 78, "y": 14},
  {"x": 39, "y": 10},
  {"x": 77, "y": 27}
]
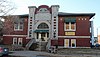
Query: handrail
[{"x": 30, "y": 42}]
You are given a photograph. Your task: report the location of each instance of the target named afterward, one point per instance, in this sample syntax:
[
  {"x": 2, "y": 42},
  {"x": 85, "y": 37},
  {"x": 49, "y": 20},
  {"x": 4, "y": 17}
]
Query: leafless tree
[
  {"x": 6, "y": 8},
  {"x": 9, "y": 23}
]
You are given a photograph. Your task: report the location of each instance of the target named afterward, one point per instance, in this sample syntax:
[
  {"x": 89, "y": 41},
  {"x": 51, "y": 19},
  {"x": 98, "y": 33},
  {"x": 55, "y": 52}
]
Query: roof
[
  {"x": 76, "y": 14},
  {"x": 67, "y": 14}
]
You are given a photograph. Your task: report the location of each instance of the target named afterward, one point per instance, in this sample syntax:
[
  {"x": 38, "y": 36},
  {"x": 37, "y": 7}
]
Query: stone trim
[
  {"x": 74, "y": 36},
  {"x": 17, "y": 35}
]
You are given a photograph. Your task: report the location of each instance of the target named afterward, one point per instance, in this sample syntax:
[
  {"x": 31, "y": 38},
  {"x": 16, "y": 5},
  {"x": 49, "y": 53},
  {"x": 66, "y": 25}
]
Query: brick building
[
  {"x": 47, "y": 24},
  {"x": 98, "y": 38}
]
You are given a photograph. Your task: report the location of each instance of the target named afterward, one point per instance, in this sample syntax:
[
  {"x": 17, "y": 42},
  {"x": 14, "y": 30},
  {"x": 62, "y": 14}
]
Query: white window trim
[
  {"x": 18, "y": 27},
  {"x": 74, "y": 43},
  {"x": 69, "y": 27},
  {"x": 43, "y": 10},
  {"x": 65, "y": 43},
  {"x": 20, "y": 40},
  {"x": 14, "y": 41}
]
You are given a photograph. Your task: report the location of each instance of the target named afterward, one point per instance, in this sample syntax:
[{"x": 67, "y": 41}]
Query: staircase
[
  {"x": 48, "y": 44},
  {"x": 41, "y": 46},
  {"x": 30, "y": 43}
]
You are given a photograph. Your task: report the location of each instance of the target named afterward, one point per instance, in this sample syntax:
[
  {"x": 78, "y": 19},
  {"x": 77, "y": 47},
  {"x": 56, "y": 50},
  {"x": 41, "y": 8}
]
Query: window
[
  {"x": 30, "y": 22},
  {"x": 54, "y": 27},
  {"x": 43, "y": 10},
  {"x": 30, "y": 32},
  {"x": 54, "y": 16},
  {"x": 30, "y": 17},
  {"x": 54, "y": 24},
  {"x": 54, "y": 19},
  {"x": 29, "y": 35},
  {"x": 54, "y": 34},
  {"x": 66, "y": 43},
  {"x": 43, "y": 26},
  {"x": 70, "y": 26},
  {"x": 20, "y": 41},
  {"x": 73, "y": 42},
  {"x": 17, "y": 42},
  {"x": 21, "y": 26},
  {"x": 18, "y": 26},
  {"x": 30, "y": 27},
  {"x": 14, "y": 41}
]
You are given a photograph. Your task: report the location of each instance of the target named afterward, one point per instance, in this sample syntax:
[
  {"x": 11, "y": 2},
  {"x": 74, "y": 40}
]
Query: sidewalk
[{"x": 33, "y": 54}]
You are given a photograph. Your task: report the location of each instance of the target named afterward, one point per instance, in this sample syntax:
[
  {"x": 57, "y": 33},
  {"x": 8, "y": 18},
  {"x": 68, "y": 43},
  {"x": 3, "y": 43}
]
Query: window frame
[
  {"x": 73, "y": 41},
  {"x": 43, "y": 10},
  {"x": 70, "y": 29},
  {"x": 20, "y": 41},
  {"x": 19, "y": 25},
  {"x": 14, "y": 40},
  {"x": 43, "y": 26}
]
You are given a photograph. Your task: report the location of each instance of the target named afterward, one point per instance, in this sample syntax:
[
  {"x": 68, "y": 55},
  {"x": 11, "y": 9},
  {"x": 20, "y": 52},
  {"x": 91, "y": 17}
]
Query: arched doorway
[{"x": 42, "y": 32}]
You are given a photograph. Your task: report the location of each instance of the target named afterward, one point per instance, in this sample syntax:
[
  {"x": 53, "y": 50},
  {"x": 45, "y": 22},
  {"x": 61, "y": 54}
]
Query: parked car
[
  {"x": 3, "y": 51},
  {"x": 97, "y": 45}
]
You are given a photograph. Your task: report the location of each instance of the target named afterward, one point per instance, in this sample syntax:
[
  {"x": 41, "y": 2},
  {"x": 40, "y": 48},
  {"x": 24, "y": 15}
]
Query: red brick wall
[
  {"x": 82, "y": 29},
  {"x": 9, "y": 40},
  {"x": 54, "y": 42},
  {"x": 11, "y": 30},
  {"x": 24, "y": 32},
  {"x": 80, "y": 42},
  {"x": 83, "y": 42},
  {"x": 82, "y": 26},
  {"x": 61, "y": 41},
  {"x": 61, "y": 26}
]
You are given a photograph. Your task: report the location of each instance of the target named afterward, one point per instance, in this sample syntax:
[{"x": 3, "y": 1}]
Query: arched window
[{"x": 43, "y": 26}]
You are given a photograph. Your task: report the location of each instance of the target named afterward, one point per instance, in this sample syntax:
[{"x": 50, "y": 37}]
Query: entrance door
[
  {"x": 66, "y": 43},
  {"x": 43, "y": 36}
]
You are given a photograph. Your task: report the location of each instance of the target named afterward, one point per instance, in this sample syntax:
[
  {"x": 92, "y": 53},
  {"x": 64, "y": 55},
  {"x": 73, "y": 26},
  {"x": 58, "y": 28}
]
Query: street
[{"x": 78, "y": 52}]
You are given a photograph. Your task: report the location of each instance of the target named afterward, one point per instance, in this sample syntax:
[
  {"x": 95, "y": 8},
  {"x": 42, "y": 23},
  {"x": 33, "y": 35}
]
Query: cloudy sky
[{"x": 70, "y": 6}]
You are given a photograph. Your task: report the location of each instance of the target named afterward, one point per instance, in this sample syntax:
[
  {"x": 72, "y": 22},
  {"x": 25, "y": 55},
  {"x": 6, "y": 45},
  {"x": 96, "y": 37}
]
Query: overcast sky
[{"x": 70, "y": 6}]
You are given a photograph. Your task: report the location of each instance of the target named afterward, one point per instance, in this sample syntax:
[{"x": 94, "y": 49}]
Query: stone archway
[{"x": 42, "y": 32}]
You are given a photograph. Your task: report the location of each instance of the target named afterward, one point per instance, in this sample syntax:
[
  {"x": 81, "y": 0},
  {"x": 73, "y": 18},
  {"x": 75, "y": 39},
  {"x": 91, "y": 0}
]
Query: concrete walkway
[{"x": 32, "y": 54}]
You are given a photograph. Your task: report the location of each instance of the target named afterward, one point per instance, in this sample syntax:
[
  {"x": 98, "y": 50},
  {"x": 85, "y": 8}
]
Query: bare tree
[
  {"x": 9, "y": 23},
  {"x": 6, "y": 8}
]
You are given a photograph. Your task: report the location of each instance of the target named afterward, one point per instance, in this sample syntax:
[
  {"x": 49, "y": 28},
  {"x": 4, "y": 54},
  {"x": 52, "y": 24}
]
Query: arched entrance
[{"x": 42, "y": 32}]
